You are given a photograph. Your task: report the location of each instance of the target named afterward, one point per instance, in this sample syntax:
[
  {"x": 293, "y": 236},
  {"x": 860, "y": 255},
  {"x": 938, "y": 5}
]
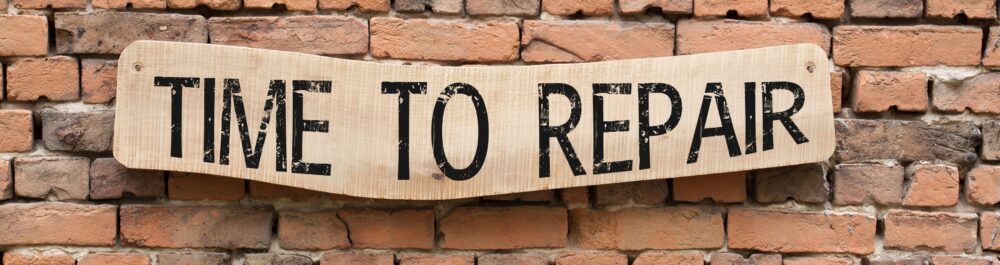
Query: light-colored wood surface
[{"x": 361, "y": 145}]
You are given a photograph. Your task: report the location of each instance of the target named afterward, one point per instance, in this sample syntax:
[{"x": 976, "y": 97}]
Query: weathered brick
[
  {"x": 673, "y": 258},
  {"x": 433, "y": 259},
  {"x": 98, "y": 80},
  {"x": 575, "y": 195},
  {"x": 531, "y": 196},
  {"x": 57, "y": 223},
  {"x": 801, "y": 232},
  {"x": 978, "y": 94},
  {"x": 720, "y": 188},
  {"x": 502, "y": 8},
  {"x": 591, "y": 258},
  {"x": 836, "y": 89},
  {"x": 720, "y": 8},
  {"x": 6, "y": 180},
  {"x": 111, "y": 180},
  {"x": 936, "y": 231},
  {"x": 323, "y": 35},
  {"x": 802, "y": 183},
  {"x": 504, "y": 228},
  {"x": 818, "y": 261},
  {"x": 16, "y": 130},
  {"x": 111, "y": 32},
  {"x": 273, "y": 258},
  {"x": 54, "y": 4},
  {"x": 512, "y": 259},
  {"x": 932, "y": 185},
  {"x": 860, "y": 140},
  {"x": 37, "y": 258},
  {"x": 896, "y": 261},
  {"x": 737, "y": 259},
  {"x": 685, "y": 227},
  {"x": 923, "y": 45},
  {"x": 668, "y": 7},
  {"x": 192, "y": 258},
  {"x": 63, "y": 177},
  {"x": 55, "y": 78},
  {"x": 195, "y": 227},
  {"x": 639, "y": 192},
  {"x": 115, "y": 259},
  {"x": 819, "y": 9},
  {"x": 973, "y": 9},
  {"x": 983, "y": 185},
  {"x": 211, "y": 4},
  {"x": 585, "y": 41},
  {"x": 963, "y": 260},
  {"x": 991, "y": 140},
  {"x": 371, "y": 228},
  {"x": 123, "y": 4},
  {"x": 311, "y": 231},
  {"x": 290, "y": 5},
  {"x": 701, "y": 36},
  {"x": 192, "y": 186},
  {"x": 444, "y": 40},
  {"x": 23, "y": 35},
  {"x": 356, "y": 258},
  {"x": 856, "y": 184},
  {"x": 73, "y": 129},
  {"x": 573, "y": 7},
  {"x": 887, "y": 8},
  {"x": 989, "y": 229},
  {"x": 374, "y": 6},
  {"x": 450, "y": 7},
  {"x": 991, "y": 57},
  {"x": 879, "y": 91},
  {"x": 274, "y": 192}
]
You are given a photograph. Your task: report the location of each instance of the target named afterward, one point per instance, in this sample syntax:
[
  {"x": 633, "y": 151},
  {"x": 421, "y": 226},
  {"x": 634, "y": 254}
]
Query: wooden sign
[{"x": 386, "y": 130}]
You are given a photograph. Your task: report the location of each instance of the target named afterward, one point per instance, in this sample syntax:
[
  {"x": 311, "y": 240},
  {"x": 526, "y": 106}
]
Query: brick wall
[{"x": 914, "y": 180}]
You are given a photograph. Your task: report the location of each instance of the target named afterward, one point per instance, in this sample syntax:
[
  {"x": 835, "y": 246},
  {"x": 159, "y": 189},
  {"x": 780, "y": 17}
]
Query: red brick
[
  {"x": 211, "y": 4},
  {"x": 54, "y": 4},
  {"x": 827, "y": 260},
  {"x": 639, "y": 192},
  {"x": 111, "y": 180},
  {"x": 802, "y": 183},
  {"x": 36, "y": 258},
  {"x": 504, "y": 228},
  {"x": 991, "y": 140},
  {"x": 878, "y": 91},
  {"x": 195, "y": 227},
  {"x": 356, "y": 258},
  {"x": 6, "y": 180},
  {"x": 194, "y": 258},
  {"x": 274, "y": 258},
  {"x": 502, "y": 8},
  {"x": 577, "y": 195},
  {"x": 887, "y": 8},
  {"x": 923, "y": 45},
  {"x": 819, "y": 9},
  {"x": 583, "y": 7},
  {"x": 55, "y": 78},
  {"x": 115, "y": 259},
  {"x": 989, "y": 228},
  {"x": 63, "y": 177},
  {"x": 684, "y": 227},
  {"x": 962, "y": 260},
  {"x": 371, "y": 228},
  {"x": 591, "y": 258},
  {"x": 123, "y": 4},
  {"x": 23, "y": 35},
  {"x": 720, "y": 8},
  {"x": 444, "y": 40},
  {"x": 836, "y": 87},
  {"x": 668, "y": 7},
  {"x": 311, "y": 231},
  {"x": 111, "y": 32},
  {"x": 77, "y": 130},
  {"x": 451, "y": 7},
  {"x": 737, "y": 259},
  {"x": 322, "y": 35},
  {"x": 991, "y": 57},
  {"x": 512, "y": 259},
  {"x": 432, "y": 259},
  {"x": 865, "y": 140},
  {"x": 932, "y": 185},
  {"x": 673, "y": 258},
  {"x": 978, "y": 94},
  {"x": 375, "y": 6},
  {"x": 720, "y": 188},
  {"x": 585, "y": 41},
  {"x": 98, "y": 80},
  {"x": 899, "y": 261},
  {"x": 973, "y": 9},
  {"x": 983, "y": 185},
  {"x": 274, "y": 192},
  {"x": 16, "y": 130},
  {"x": 57, "y": 223},
  {"x": 532, "y": 196},
  {"x": 856, "y": 184},
  {"x": 701, "y": 36},
  {"x": 936, "y": 231},
  {"x": 290, "y": 5},
  {"x": 191, "y": 186},
  {"x": 801, "y": 232}
]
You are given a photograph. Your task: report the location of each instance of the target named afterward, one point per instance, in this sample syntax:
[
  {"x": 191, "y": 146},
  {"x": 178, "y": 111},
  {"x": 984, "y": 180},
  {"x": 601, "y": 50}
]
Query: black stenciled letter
[
  {"x": 209, "y": 141},
  {"x": 601, "y": 126},
  {"x": 176, "y": 85},
  {"x": 300, "y": 125},
  {"x": 232, "y": 101},
  {"x": 750, "y": 91},
  {"x": 784, "y": 116},
  {"x": 714, "y": 90},
  {"x": 404, "y": 89},
  {"x": 437, "y": 127},
  {"x": 646, "y": 131},
  {"x": 545, "y": 131}
]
